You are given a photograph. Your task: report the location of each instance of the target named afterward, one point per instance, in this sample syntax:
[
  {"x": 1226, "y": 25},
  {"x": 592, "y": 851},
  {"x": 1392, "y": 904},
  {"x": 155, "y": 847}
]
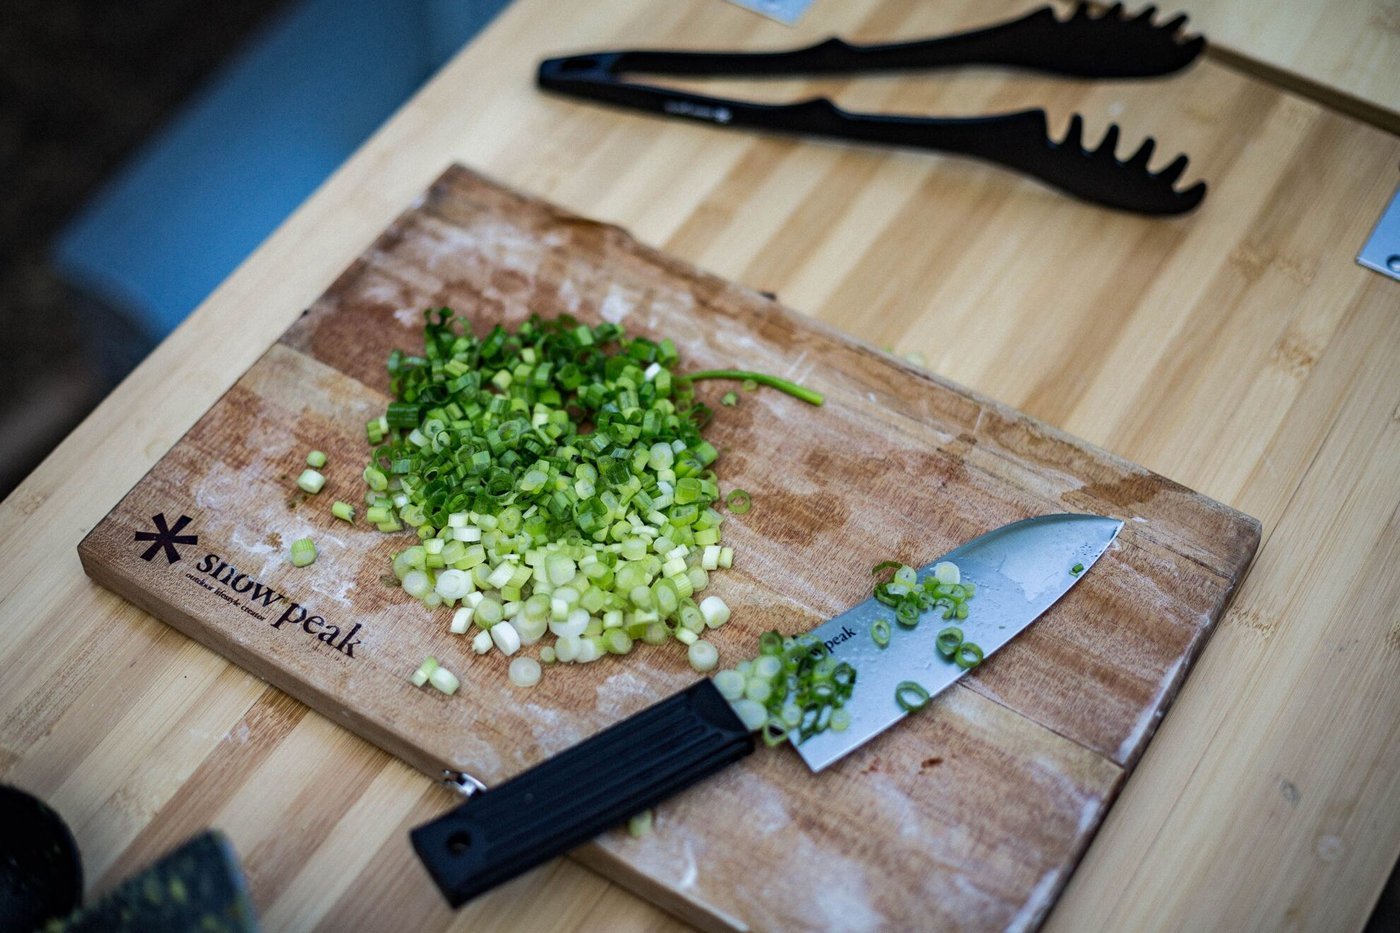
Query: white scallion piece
[
  {"x": 461, "y": 621},
  {"x": 730, "y": 684},
  {"x": 444, "y": 680},
  {"x": 524, "y": 672},
  {"x": 709, "y": 558},
  {"x": 506, "y": 637},
  {"x": 311, "y": 481},
  {"x": 947, "y": 573},
  {"x": 425, "y": 670},
  {"x": 566, "y": 648},
  {"x": 703, "y": 656},
  {"x": 714, "y": 610},
  {"x": 452, "y": 584},
  {"x": 750, "y": 712},
  {"x": 481, "y": 642},
  {"x": 415, "y": 584}
]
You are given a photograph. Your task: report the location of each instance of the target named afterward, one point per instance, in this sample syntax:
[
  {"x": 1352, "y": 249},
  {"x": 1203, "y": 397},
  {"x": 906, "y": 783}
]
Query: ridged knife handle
[{"x": 576, "y": 795}]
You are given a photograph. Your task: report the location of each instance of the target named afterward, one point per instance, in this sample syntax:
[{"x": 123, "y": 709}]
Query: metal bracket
[
  {"x": 786, "y": 12},
  {"x": 462, "y": 782},
  {"x": 1382, "y": 250}
]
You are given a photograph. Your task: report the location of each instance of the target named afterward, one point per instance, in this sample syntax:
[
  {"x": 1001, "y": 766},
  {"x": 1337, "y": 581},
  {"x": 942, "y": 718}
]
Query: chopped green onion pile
[
  {"x": 558, "y": 484},
  {"x": 793, "y": 690}
]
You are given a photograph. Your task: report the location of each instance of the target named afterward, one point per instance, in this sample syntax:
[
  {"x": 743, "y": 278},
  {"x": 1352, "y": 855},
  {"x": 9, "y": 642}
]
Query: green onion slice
[
  {"x": 949, "y": 640},
  {"x": 880, "y": 632},
  {"x": 739, "y": 501},
  {"x": 911, "y": 696},
  {"x": 303, "y": 552},
  {"x": 969, "y": 656}
]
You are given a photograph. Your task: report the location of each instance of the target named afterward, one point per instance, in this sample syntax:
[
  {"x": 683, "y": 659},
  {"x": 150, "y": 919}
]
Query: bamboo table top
[
  {"x": 1238, "y": 350},
  {"x": 1346, "y": 54}
]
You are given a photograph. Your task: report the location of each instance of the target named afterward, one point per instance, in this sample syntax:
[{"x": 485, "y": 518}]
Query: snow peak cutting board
[{"x": 971, "y": 814}]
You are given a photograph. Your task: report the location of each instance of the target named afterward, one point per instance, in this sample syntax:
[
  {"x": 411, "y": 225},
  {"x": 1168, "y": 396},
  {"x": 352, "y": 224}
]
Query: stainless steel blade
[{"x": 1020, "y": 571}]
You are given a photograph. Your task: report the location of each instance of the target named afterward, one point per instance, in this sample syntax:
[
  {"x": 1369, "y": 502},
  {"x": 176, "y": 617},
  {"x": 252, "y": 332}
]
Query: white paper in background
[{"x": 784, "y": 11}]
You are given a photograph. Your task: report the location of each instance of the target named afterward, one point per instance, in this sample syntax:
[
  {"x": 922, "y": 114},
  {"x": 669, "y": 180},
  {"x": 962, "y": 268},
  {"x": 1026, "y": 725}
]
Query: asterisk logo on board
[{"x": 165, "y": 537}]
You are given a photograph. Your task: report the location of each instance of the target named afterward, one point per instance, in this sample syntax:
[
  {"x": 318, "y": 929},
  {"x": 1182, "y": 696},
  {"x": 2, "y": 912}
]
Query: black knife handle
[{"x": 566, "y": 800}]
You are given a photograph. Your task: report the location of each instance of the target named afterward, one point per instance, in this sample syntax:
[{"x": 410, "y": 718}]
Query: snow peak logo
[
  {"x": 262, "y": 602},
  {"x": 841, "y": 636}
]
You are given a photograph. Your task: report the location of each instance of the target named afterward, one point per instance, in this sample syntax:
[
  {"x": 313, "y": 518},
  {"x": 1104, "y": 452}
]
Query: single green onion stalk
[{"x": 752, "y": 380}]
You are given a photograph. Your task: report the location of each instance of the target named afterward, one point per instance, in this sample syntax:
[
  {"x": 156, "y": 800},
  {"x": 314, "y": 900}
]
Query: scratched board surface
[{"x": 971, "y": 814}]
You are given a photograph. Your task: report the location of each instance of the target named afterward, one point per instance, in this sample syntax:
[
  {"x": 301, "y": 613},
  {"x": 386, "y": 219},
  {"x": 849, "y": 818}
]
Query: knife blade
[{"x": 1020, "y": 570}]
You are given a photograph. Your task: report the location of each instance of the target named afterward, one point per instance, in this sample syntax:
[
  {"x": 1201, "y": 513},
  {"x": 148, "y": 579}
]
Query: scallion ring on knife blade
[
  {"x": 791, "y": 691},
  {"x": 880, "y": 632},
  {"x": 969, "y": 656},
  {"x": 911, "y": 696},
  {"x": 949, "y": 640}
]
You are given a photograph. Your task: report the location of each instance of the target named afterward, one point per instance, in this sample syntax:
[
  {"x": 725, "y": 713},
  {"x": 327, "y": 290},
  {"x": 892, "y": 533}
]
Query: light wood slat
[
  {"x": 1068, "y": 312},
  {"x": 1346, "y": 55}
]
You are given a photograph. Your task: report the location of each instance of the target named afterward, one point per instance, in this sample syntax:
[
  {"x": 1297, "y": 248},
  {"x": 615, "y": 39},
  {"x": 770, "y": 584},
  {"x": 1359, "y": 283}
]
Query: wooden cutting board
[{"x": 972, "y": 814}]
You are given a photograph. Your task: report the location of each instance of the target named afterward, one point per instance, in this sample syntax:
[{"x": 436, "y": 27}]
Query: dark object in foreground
[
  {"x": 197, "y": 887},
  {"x": 41, "y": 874},
  {"x": 1108, "y": 46}
]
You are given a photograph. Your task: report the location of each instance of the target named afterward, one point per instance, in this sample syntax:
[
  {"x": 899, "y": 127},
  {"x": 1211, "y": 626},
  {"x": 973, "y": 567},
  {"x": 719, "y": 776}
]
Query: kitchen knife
[{"x": 1020, "y": 570}]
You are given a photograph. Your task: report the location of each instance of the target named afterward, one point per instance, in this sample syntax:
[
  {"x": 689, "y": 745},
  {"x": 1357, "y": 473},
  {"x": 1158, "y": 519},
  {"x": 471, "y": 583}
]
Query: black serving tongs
[{"x": 1111, "y": 45}]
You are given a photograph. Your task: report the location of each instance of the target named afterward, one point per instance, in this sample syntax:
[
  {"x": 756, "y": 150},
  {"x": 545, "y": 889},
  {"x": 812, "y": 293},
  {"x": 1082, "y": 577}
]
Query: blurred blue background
[
  {"x": 148, "y": 146},
  {"x": 268, "y": 128}
]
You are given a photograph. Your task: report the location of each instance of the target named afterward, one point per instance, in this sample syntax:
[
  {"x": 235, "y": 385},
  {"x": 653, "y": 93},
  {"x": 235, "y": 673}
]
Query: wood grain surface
[
  {"x": 1238, "y": 350},
  {"x": 1344, "y": 54},
  {"x": 975, "y": 816}
]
